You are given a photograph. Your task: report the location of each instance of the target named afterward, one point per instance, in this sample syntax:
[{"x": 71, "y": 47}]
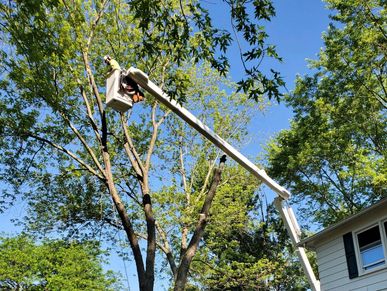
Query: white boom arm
[
  {"x": 142, "y": 79},
  {"x": 286, "y": 212}
]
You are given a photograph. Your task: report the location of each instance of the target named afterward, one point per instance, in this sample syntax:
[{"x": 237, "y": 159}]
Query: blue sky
[{"x": 296, "y": 31}]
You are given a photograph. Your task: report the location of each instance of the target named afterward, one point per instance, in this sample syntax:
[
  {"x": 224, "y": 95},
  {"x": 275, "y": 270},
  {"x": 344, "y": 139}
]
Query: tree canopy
[
  {"x": 52, "y": 265},
  {"x": 85, "y": 171},
  {"x": 333, "y": 158}
]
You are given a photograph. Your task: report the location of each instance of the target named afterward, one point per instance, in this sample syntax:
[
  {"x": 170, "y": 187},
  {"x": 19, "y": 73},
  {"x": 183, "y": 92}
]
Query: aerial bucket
[{"x": 116, "y": 98}]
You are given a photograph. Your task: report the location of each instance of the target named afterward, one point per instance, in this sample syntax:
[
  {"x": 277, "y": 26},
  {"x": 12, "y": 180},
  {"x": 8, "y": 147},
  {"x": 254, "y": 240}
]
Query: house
[{"x": 352, "y": 254}]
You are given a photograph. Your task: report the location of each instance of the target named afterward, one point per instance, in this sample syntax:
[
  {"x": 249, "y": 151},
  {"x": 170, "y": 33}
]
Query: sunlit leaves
[
  {"x": 333, "y": 157},
  {"x": 52, "y": 265}
]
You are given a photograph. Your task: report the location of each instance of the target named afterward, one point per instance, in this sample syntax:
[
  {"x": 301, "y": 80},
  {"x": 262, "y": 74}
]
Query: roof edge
[{"x": 309, "y": 241}]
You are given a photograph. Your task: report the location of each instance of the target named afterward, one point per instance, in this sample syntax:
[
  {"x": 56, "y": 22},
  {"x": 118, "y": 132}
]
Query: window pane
[
  {"x": 372, "y": 257},
  {"x": 369, "y": 236},
  {"x": 371, "y": 248}
]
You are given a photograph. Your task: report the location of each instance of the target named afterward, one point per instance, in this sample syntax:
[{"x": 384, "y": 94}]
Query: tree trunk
[
  {"x": 134, "y": 244},
  {"x": 151, "y": 243},
  {"x": 128, "y": 227},
  {"x": 182, "y": 273}
]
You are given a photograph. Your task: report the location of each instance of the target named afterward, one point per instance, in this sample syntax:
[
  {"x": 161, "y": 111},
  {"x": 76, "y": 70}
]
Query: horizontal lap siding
[
  {"x": 335, "y": 281},
  {"x": 378, "y": 286},
  {"x": 336, "y": 258},
  {"x": 370, "y": 282},
  {"x": 338, "y": 284},
  {"x": 329, "y": 248},
  {"x": 336, "y": 273},
  {"x": 333, "y": 271},
  {"x": 332, "y": 264}
]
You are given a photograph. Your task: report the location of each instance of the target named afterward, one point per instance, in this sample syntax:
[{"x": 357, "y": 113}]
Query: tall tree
[
  {"x": 68, "y": 156},
  {"x": 52, "y": 265},
  {"x": 333, "y": 157}
]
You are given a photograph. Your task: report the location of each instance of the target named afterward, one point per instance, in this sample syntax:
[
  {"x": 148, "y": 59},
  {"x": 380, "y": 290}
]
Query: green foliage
[
  {"x": 56, "y": 205},
  {"x": 62, "y": 150},
  {"x": 52, "y": 265},
  {"x": 333, "y": 157},
  {"x": 43, "y": 46},
  {"x": 245, "y": 247},
  {"x": 185, "y": 32}
]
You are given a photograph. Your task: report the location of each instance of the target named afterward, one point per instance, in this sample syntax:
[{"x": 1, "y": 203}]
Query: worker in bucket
[{"x": 128, "y": 85}]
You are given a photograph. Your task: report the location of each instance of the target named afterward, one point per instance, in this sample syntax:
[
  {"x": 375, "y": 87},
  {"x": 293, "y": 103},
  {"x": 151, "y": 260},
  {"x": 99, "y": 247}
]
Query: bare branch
[
  {"x": 163, "y": 118},
  {"x": 95, "y": 23},
  {"x": 184, "y": 240},
  {"x": 184, "y": 232},
  {"x": 158, "y": 244},
  {"x": 207, "y": 179},
  {"x": 89, "y": 112},
  {"x": 131, "y": 150},
  {"x": 182, "y": 171},
  {"x": 85, "y": 144},
  {"x": 93, "y": 84},
  {"x": 153, "y": 138},
  {"x": 130, "y": 194},
  {"x": 69, "y": 153},
  {"x": 167, "y": 249},
  {"x": 126, "y": 222}
]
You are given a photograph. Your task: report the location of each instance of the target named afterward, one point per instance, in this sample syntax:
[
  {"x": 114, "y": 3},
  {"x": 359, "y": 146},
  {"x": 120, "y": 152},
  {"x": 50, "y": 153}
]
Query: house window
[
  {"x": 366, "y": 250},
  {"x": 371, "y": 248}
]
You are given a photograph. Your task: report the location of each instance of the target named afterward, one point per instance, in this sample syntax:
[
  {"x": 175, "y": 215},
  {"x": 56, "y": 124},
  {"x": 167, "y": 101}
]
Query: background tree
[
  {"x": 85, "y": 170},
  {"x": 245, "y": 247},
  {"x": 333, "y": 158},
  {"x": 53, "y": 265}
]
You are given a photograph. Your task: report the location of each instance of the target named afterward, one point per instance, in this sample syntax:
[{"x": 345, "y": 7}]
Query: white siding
[
  {"x": 333, "y": 271},
  {"x": 332, "y": 264}
]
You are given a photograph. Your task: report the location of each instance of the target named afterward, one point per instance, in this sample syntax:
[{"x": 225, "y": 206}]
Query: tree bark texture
[{"x": 134, "y": 244}]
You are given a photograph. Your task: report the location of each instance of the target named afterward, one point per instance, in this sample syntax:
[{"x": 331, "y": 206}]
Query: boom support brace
[{"x": 286, "y": 212}]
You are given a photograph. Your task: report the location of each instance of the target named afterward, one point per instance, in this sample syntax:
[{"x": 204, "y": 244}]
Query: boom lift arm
[{"x": 280, "y": 202}]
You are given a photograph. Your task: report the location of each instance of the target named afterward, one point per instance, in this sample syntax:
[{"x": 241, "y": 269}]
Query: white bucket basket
[{"x": 115, "y": 97}]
